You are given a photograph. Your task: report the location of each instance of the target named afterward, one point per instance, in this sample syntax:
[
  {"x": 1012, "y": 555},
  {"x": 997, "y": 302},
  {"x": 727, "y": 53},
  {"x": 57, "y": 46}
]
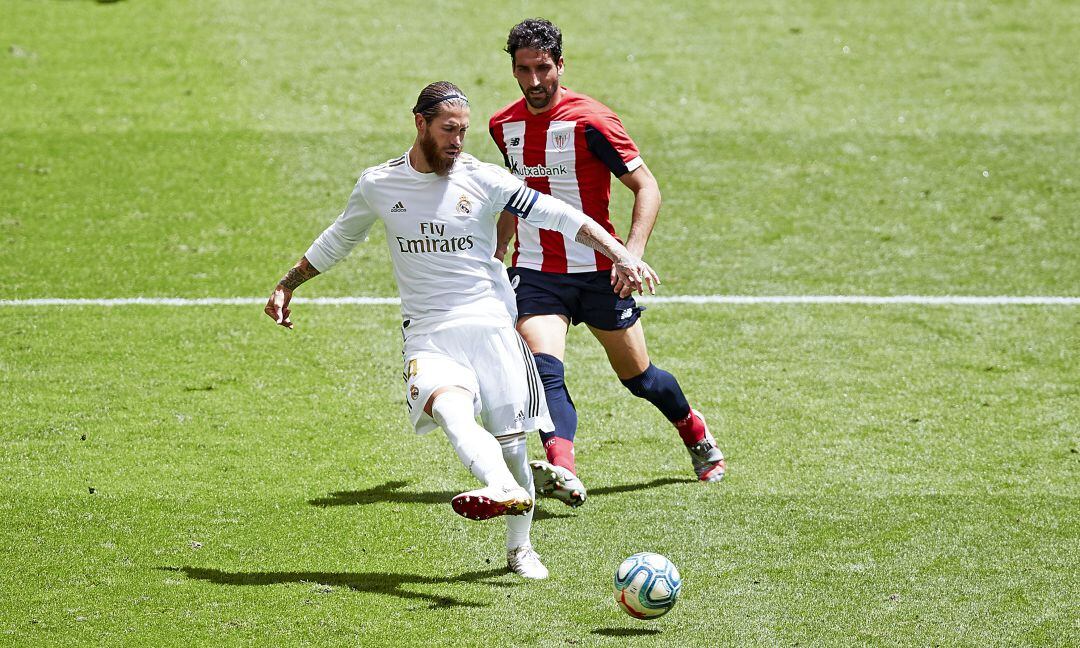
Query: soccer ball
[{"x": 646, "y": 585}]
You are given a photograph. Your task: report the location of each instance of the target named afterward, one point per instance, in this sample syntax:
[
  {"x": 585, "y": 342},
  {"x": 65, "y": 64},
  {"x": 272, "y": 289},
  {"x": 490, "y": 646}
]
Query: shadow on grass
[
  {"x": 629, "y": 488},
  {"x": 626, "y": 632},
  {"x": 391, "y": 492},
  {"x": 370, "y": 582}
]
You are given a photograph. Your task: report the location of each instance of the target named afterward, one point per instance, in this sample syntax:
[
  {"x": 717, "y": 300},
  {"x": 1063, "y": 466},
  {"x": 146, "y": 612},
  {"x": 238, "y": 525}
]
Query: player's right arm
[
  {"x": 507, "y": 225},
  {"x": 278, "y": 305},
  {"x": 331, "y": 246},
  {"x": 504, "y": 233}
]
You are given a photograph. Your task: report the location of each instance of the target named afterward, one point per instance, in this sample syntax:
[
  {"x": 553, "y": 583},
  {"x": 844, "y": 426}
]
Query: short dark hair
[
  {"x": 538, "y": 34},
  {"x": 437, "y": 95}
]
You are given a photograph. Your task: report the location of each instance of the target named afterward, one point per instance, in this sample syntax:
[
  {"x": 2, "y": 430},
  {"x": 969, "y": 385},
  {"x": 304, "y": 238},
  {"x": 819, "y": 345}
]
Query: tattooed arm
[
  {"x": 547, "y": 212},
  {"x": 629, "y": 272},
  {"x": 277, "y": 308}
]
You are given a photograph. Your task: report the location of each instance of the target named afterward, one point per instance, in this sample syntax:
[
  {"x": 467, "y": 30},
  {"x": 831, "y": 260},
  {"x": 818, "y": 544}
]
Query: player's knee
[
  {"x": 452, "y": 407},
  {"x": 553, "y": 376},
  {"x": 552, "y": 371},
  {"x": 652, "y": 381}
]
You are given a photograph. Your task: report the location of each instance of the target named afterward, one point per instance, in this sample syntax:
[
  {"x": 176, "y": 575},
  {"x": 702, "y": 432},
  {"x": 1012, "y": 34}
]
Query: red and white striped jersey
[{"x": 569, "y": 152}]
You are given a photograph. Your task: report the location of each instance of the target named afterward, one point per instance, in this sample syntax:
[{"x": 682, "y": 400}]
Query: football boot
[
  {"x": 558, "y": 482},
  {"x": 525, "y": 562},
  {"x": 492, "y": 501},
  {"x": 707, "y": 459}
]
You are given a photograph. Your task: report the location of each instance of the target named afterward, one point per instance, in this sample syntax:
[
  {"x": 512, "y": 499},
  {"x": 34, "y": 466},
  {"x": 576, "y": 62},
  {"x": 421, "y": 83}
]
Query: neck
[
  {"x": 418, "y": 160},
  {"x": 555, "y": 99}
]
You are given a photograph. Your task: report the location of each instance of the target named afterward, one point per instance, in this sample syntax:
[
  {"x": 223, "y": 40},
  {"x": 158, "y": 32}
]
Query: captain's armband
[{"x": 521, "y": 203}]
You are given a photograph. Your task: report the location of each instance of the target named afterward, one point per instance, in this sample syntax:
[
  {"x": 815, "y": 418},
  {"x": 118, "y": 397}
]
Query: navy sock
[
  {"x": 560, "y": 405},
  {"x": 662, "y": 390}
]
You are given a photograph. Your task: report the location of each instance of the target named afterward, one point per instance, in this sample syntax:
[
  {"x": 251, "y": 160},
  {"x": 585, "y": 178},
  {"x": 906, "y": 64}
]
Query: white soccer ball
[{"x": 647, "y": 585}]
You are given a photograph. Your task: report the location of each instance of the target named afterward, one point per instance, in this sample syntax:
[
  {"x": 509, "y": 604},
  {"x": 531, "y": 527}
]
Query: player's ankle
[
  {"x": 691, "y": 428},
  {"x": 560, "y": 452}
]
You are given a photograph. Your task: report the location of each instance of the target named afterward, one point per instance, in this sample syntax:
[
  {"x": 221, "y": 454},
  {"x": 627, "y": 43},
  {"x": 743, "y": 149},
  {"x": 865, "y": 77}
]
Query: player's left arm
[
  {"x": 642, "y": 220},
  {"x": 548, "y": 212},
  {"x": 608, "y": 140}
]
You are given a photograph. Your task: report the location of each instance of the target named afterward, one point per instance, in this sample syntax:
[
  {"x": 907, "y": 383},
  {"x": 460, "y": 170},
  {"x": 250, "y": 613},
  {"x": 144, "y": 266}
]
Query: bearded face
[
  {"x": 441, "y": 139},
  {"x": 441, "y": 163}
]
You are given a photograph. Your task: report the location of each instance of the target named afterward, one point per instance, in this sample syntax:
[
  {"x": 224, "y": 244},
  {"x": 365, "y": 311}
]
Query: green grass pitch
[{"x": 899, "y": 475}]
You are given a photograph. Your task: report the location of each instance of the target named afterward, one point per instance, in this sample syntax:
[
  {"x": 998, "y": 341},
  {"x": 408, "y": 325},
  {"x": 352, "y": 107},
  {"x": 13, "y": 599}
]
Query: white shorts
[{"x": 492, "y": 363}]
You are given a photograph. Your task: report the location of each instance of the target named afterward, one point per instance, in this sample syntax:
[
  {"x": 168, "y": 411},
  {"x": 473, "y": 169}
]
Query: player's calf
[{"x": 662, "y": 390}]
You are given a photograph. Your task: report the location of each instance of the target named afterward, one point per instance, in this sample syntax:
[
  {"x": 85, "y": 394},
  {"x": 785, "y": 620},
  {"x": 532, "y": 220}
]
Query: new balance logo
[
  {"x": 626, "y": 314},
  {"x": 397, "y": 208},
  {"x": 515, "y": 141}
]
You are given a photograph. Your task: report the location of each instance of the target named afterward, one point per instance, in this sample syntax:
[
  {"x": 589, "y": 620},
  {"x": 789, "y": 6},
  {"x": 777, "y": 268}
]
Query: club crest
[
  {"x": 559, "y": 140},
  {"x": 464, "y": 206}
]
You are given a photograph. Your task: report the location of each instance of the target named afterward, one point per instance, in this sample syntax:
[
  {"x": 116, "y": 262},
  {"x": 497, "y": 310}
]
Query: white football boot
[
  {"x": 492, "y": 501},
  {"x": 708, "y": 461},
  {"x": 525, "y": 562},
  {"x": 558, "y": 482}
]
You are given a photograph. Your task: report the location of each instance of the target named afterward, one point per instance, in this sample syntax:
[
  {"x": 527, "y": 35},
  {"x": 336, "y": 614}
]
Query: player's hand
[
  {"x": 631, "y": 274},
  {"x": 500, "y": 252},
  {"x": 277, "y": 307},
  {"x": 621, "y": 288}
]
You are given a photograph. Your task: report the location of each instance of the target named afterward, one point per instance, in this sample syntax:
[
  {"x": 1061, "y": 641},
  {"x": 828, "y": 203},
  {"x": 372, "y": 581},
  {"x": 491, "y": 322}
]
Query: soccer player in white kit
[{"x": 462, "y": 356}]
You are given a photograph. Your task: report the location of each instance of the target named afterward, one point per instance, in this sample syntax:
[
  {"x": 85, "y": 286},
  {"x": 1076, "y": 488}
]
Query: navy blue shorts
[{"x": 579, "y": 296}]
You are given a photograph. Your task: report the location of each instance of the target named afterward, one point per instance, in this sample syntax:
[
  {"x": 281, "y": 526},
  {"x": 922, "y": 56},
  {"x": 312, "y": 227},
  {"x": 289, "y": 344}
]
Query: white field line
[{"x": 921, "y": 300}]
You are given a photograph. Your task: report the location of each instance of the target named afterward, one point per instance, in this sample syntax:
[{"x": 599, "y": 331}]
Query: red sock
[
  {"x": 560, "y": 452},
  {"x": 691, "y": 429}
]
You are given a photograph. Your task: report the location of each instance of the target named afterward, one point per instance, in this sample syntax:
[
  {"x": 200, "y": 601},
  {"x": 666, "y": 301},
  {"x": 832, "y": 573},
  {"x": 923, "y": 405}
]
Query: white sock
[
  {"x": 477, "y": 449},
  {"x": 517, "y": 460}
]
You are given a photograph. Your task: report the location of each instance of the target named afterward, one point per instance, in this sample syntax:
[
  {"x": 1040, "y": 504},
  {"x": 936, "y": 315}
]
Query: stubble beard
[
  {"x": 543, "y": 101},
  {"x": 439, "y": 163}
]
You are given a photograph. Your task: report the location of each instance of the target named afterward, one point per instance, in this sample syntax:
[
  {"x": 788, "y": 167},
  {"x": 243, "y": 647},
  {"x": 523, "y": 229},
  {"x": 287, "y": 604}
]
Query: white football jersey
[{"x": 441, "y": 234}]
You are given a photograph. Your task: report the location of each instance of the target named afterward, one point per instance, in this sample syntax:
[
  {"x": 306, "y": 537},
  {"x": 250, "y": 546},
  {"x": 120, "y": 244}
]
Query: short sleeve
[
  {"x": 350, "y": 228},
  {"x": 608, "y": 141}
]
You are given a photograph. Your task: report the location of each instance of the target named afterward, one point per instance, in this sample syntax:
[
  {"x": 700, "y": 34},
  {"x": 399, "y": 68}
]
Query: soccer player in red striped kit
[{"x": 568, "y": 145}]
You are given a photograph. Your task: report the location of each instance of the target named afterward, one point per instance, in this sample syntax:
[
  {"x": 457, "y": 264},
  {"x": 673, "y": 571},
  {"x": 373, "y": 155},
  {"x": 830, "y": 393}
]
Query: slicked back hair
[
  {"x": 437, "y": 96},
  {"x": 538, "y": 34}
]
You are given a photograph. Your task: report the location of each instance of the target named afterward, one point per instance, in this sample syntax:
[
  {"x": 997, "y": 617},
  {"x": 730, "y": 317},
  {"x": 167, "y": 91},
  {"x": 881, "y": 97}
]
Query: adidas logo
[{"x": 397, "y": 208}]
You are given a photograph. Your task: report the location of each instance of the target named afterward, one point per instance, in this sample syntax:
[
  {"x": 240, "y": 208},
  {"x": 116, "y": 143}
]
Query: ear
[
  {"x": 559, "y": 65},
  {"x": 420, "y": 122}
]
